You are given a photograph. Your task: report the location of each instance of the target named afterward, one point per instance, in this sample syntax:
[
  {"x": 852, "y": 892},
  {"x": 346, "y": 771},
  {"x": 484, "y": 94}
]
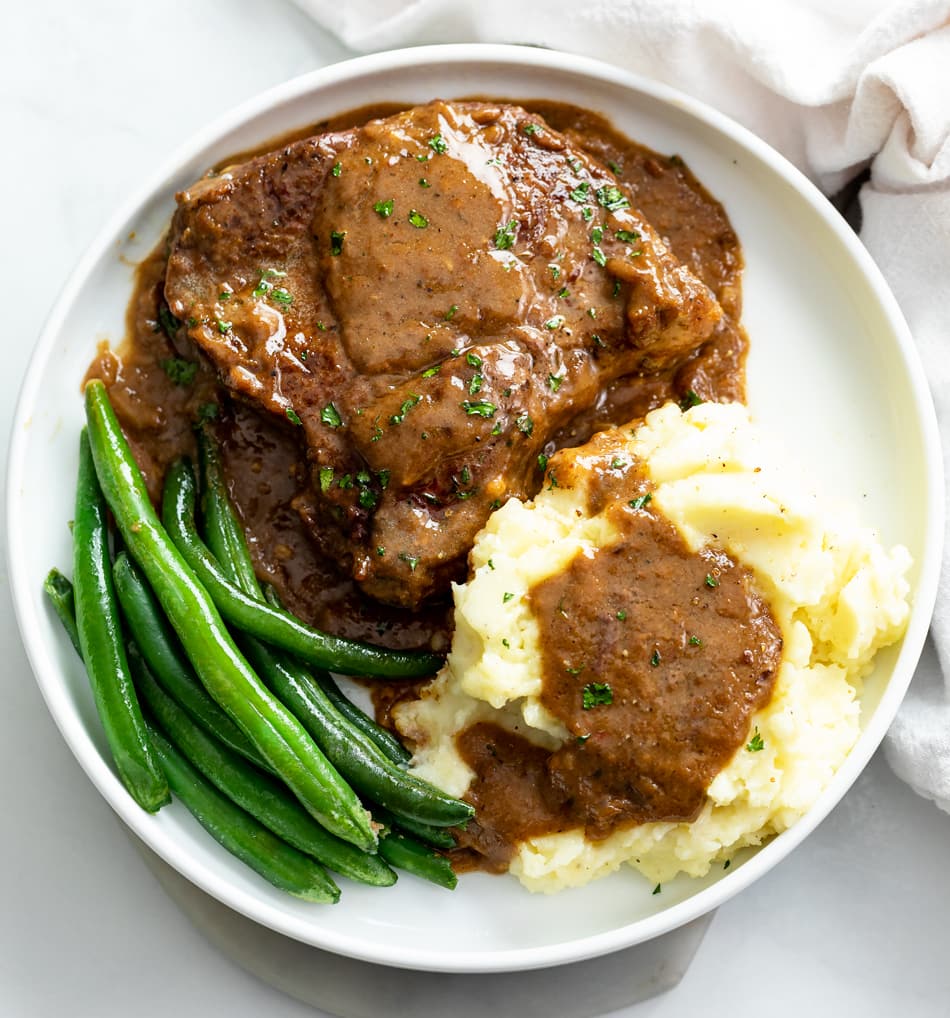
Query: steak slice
[{"x": 429, "y": 298}]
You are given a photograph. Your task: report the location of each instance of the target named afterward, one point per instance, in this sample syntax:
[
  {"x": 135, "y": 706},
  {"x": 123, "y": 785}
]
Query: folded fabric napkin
[{"x": 837, "y": 88}]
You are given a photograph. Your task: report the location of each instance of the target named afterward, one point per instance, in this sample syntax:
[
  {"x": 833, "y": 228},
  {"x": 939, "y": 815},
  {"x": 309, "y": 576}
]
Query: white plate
[{"x": 832, "y": 371}]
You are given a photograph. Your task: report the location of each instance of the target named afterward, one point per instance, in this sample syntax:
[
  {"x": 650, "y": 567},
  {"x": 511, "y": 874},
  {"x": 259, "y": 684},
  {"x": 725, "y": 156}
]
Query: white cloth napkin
[{"x": 836, "y": 87}]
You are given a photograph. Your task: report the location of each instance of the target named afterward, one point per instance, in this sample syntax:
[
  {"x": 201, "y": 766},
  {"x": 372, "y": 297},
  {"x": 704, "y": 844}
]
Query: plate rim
[{"x": 44, "y": 666}]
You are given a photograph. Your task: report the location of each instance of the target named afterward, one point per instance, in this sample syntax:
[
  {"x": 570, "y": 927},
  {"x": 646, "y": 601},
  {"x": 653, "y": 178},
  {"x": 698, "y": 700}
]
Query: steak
[{"x": 429, "y": 299}]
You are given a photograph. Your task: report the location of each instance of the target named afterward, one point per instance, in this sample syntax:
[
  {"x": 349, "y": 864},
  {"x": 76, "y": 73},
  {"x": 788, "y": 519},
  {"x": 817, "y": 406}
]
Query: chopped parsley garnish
[
  {"x": 695, "y": 641},
  {"x": 473, "y": 360},
  {"x": 505, "y": 235},
  {"x": 531, "y": 128},
  {"x": 417, "y": 219},
  {"x": 755, "y": 744},
  {"x": 655, "y": 659},
  {"x": 337, "y": 169},
  {"x": 404, "y": 408},
  {"x": 331, "y": 416},
  {"x": 592, "y": 312},
  {"x": 524, "y": 424},
  {"x": 583, "y": 738},
  {"x": 552, "y": 481},
  {"x": 554, "y": 323},
  {"x": 597, "y": 234},
  {"x": 627, "y": 236},
  {"x": 574, "y": 163},
  {"x": 181, "y": 372},
  {"x": 383, "y": 477},
  {"x": 475, "y": 385},
  {"x": 617, "y": 463},
  {"x": 380, "y": 550},
  {"x": 480, "y": 408},
  {"x": 207, "y": 412},
  {"x": 554, "y": 382},
  {"x": 423, "y": 157},
  {"x": 542, "y": 461},
  {"x": 336, "y": 242},
  {"x": 345, "y": 482},
  {"x": 622, "y": 615},
  {"x": 367, "y": 498},
  {"x": 424, "y": 183},
  {"x": 597, "y": 340},
  {"x": 224, "y": 296},
  {"x": 575, "y": 671},
  {"x": 597, "y": 694},
  {"x": 434, "y": 370},
  {"x": 292, "y": 416},
  {"x": 265, "y": 287},
  {"x": 727, "y": 864},
  {"x": 658, "y": 888},
  {"x": 410, "y": 560},
  {"x": 384, "y": 208},
  {"x": 322, "y": 326},
  {"x": 555, "y": 271},
  {"x": 616, "y": 292},
  {"x": 580, "y": 192},
  {"x": 168, "y": 322},
  {"x": 491, "y": 565},
  {"x": 506, "y": 597},
  {"x": 690, "y": 400},
  {"x": 599, "y": 256},
  {"x": 326, "y": 478},
  {"x": 223, "y": 327},
  {"x": 437, "y": 144},
  {"x": 587, "y": 213},
  {"x": 614, "y": 167},
  {"x": 505, "y": 643},
  {"x": 563, "y": 292},
  {"x": 640, "y": 501},
  {"x": 611, "y": 198},
  {"x": 282, "y": 296},
  {"x": 711, "y": 581},
  {"x": 448, "y": 316}
]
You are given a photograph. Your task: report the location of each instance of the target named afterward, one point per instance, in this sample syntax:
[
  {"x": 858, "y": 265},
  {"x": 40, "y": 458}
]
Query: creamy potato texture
[{"x": 836, "y": 592}]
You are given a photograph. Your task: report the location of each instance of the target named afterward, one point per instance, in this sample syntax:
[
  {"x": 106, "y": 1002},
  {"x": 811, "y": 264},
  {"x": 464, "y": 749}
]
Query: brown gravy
[
  {"x": 654, "y": 659},
  {"x": 264, "y": 461},
  {"x": 652, "y": 751}
]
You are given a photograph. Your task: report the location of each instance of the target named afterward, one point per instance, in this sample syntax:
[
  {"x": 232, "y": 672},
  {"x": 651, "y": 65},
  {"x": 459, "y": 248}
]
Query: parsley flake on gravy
[{"x": 597, "y": 694}]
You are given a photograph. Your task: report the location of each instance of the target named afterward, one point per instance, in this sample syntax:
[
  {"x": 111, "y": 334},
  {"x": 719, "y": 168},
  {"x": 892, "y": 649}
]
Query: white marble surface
[{"x": 91, "y": 95}]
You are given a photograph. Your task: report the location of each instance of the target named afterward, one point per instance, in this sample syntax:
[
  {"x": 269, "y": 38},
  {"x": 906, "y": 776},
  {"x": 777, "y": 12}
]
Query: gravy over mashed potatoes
[{"x": 827, "y": 595}]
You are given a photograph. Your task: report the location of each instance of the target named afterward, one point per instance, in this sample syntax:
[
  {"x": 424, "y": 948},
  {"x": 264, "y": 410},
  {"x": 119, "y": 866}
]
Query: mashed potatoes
[{"x": 835, "y": 592}]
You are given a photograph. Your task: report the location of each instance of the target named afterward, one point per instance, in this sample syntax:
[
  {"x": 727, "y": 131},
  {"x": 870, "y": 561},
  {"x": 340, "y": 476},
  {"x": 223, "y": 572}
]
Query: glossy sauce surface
[
  {"x": 264, "y": 455},
  {"x": 654, "y": 658}
]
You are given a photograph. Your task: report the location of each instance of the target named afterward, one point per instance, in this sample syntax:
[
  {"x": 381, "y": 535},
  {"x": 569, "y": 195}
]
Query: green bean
[
  {"x": 164, "y": 656},
  {"x": 259, "y": 619},
  {"x": 243, "y": 836},
  {"x": 222, "y": 531},
  {"x": 408, "y": 854},
  {"x": 59, "y": 590},
  {"x": 276, "y": 734},
  {"x": 358, "y": 759},
  {"x": 438, "y": 837},
  {"x": 386, "y": 741},
  {"x": 260, "y": 795},
  {"x": 103, "y": 650},
  {"x": 226, "y": 540}
]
